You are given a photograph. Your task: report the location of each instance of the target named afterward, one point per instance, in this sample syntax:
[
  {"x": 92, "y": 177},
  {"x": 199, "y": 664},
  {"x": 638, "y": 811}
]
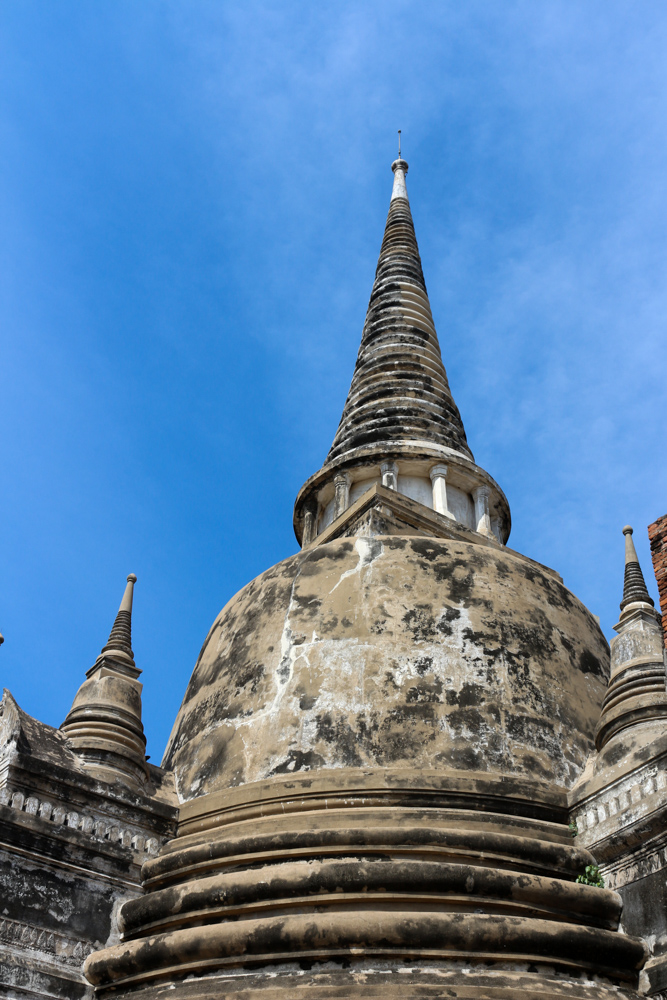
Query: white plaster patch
[{"x": 367, "y": 548}]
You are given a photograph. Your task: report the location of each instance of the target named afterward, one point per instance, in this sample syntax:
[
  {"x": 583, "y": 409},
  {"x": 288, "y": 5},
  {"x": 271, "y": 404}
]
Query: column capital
[
  {"x": 437, "y": 471},
  {"x": 389, "y": 473},
  {"x": 483, "y": 492},
  {"x": 438, "y": 474}
]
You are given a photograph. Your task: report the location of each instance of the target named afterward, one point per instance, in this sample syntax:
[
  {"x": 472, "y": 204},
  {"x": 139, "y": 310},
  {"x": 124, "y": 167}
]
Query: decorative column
[
  {"x": 480, "y": 496},
  {"x": 389, "y": 472},
  {"x": 309, "y": 523},
  {"x": 438, "y": 476},
  {"x": 342, "y": 488}
]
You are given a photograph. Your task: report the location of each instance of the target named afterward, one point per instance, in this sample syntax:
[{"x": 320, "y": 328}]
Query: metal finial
[{"x": 399, "y": 143}]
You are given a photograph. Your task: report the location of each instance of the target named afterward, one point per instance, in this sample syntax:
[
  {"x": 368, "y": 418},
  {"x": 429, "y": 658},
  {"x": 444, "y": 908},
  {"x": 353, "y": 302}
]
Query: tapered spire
[
  {"x": 636, "y": 692},
  {"x": 104, "y": 724},
  {"x": 634, "y": 585},
  {"x": 120, "y": 637},
  {"x": 400, "y": 427},
  {"x": 400, "y": 393}
]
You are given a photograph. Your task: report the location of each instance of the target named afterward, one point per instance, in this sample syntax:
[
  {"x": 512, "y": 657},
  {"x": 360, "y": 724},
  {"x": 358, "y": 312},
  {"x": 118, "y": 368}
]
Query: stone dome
[{"x": 400, "y": 652}]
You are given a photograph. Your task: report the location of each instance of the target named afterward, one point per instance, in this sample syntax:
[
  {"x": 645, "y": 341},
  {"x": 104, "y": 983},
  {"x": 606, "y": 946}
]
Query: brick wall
[{"x": 657, "y": 533}]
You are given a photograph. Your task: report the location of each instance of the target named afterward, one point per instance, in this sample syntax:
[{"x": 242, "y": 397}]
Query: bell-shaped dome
[{"x": 402, "y": 652}]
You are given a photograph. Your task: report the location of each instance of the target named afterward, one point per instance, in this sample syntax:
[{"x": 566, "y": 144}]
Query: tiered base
[
  {"x": 409, "y": 983},
  {"x": 367, "y": 884}
]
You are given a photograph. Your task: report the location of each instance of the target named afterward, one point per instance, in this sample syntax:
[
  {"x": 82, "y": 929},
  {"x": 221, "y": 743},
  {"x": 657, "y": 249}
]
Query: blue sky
[{"x": 192, "y": 200}]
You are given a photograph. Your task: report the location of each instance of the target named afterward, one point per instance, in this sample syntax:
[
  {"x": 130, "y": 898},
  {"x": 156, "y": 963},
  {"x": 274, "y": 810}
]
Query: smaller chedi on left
[{"x": 81, "y": 809}]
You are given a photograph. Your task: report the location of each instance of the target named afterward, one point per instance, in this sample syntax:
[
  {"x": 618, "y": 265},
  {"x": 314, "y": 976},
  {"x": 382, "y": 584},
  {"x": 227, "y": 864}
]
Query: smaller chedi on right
[{"x": 619, "y": 803}]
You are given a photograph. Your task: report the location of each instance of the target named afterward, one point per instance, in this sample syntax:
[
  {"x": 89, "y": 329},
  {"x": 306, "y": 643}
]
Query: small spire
[
  {"x": 104, "y": 724},
  {"x": 636, "y": 691},
  {"x": 634, "y": 585},
  {"x": 399, "y": 143},
  {"x": 120, "y": 637}
]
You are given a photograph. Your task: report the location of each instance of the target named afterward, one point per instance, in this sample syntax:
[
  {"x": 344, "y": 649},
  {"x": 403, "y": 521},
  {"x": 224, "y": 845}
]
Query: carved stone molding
[
  {"x": 61, "y": 947},
  {"x": 96, "y": 826},
  {"x": 625, "y": 801},
  {"x": 640, "y": 863}
]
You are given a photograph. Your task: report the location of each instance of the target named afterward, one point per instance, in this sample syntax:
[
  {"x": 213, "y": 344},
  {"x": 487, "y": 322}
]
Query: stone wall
[{"x": 71, "y": 849}]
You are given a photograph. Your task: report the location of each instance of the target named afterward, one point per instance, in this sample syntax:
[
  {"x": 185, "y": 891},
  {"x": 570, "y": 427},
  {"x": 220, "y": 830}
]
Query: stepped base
[
  {"x": 364, "y": 982},
  {"x": 364, "y": 884}
]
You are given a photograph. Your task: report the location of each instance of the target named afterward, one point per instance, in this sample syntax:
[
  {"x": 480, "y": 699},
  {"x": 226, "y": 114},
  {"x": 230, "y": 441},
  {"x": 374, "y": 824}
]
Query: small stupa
[{"x": 104, "y": 723}]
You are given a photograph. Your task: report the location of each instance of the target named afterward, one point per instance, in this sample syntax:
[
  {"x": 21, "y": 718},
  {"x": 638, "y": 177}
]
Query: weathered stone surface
[
  {"x": 393, "y": 651},
  {"x": 71, "y": 850},
  {"x": 377, "y": 981},
  {"x": 333, "y": 868},
  {"x": 373, "y": 758},
  {"x": 619, "y": 804}
]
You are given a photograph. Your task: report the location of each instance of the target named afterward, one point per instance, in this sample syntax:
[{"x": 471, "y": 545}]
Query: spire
[
  {"x": 104, "y": 724},
  {"x": 400, "y": 393},
  {"x": 634, "y": 585},
  {"x": 636, "y": 692},
  {"x": 401, "y": 429},
  {"x": 120, "y": 637}
]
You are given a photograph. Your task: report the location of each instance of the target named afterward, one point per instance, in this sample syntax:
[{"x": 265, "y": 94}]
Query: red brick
[{"x": 657, "y": 533}]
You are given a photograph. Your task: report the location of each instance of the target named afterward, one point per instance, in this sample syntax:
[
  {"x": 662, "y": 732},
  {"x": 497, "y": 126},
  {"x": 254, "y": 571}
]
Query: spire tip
[
  {"x": 627, "y": 530},
  {"x": 133, "y": 579}
]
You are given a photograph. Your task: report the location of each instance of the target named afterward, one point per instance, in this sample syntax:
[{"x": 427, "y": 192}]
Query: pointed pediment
[{"x": 381, "y": 511}]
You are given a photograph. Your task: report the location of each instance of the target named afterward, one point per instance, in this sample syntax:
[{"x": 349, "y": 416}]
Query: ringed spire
[
  {"x": 400, "y": 427},
  {"x": 400, "y": 392},
  {"x": 634, "y": 585},
  {"x": 104, "y": 724}
]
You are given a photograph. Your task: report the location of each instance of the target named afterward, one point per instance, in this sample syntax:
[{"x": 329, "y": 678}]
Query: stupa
[{"x": 378, "y": 749}]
